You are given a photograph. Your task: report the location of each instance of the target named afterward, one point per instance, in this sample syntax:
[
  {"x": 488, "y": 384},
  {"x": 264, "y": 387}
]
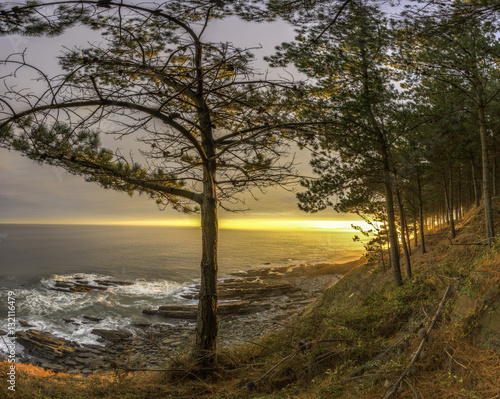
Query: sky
[{"x": 33, "y": 193}]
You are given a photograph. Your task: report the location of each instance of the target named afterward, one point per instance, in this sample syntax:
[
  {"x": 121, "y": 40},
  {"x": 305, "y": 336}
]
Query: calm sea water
[{"x": 161, "y": 261}]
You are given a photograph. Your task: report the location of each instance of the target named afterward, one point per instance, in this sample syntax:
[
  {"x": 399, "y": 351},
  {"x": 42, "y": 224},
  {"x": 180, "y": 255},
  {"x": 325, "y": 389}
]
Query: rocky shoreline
[{"x": 266, "y": 298}]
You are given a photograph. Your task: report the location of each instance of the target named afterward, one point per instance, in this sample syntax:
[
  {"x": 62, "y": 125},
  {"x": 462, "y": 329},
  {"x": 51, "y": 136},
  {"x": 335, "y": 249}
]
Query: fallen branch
[
  {"x": 452, "y": 359},
  {"x": 411, "y": 387},
  {"x": 421, "y": 346}
]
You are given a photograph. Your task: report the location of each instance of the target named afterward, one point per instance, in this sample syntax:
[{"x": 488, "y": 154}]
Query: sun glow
[
  {"x": 252, "y": 224},
  {"x": 266, "y": 224},
  {"x": 234, "y": 224}
]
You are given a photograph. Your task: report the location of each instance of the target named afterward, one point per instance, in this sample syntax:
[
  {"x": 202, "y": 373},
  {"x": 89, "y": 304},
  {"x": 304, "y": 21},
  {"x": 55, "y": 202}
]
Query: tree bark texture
[
  {"x": 393, "y": 234},
  {"x": 207, "y": 321},
  {"x": 477, "y": 199},
  {"x": 421, "y": 215},
  {"x": 415, "y": 232},
  {"x": 448, "y": 196},
  {"x": 403, "y": 239},
  {"x": 488, "y": 209}
]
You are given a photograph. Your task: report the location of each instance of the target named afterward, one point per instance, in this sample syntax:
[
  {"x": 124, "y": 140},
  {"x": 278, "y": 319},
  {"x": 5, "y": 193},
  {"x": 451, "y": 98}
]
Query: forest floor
[{"x": 362, "y": 338}]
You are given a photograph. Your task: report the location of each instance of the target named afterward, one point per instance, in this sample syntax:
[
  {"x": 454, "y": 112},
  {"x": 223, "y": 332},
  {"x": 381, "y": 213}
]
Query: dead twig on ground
[
  {"x": 452, "y": 359},
  {"x": 412, "y": 388}
]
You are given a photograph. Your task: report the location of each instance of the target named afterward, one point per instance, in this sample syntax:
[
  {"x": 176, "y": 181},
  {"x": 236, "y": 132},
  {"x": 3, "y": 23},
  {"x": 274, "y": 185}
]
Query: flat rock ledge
[
  {"x": 80, "y": 285},
  {"x": 271, "y": 289},
  {"x": 189, "y": 312}
]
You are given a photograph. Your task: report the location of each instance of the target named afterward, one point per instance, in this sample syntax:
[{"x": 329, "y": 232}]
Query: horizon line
[{"x": 231, "y": 224}]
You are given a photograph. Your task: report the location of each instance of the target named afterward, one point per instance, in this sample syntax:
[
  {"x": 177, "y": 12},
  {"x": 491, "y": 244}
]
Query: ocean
[{"x": 162, "y": 262}]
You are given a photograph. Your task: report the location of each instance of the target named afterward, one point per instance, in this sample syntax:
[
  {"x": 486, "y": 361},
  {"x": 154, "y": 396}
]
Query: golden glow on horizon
[
  {"x": 266, "y": 224},
  {"x": 235, "y": 224},
  {"x": 258, "y": 224}
]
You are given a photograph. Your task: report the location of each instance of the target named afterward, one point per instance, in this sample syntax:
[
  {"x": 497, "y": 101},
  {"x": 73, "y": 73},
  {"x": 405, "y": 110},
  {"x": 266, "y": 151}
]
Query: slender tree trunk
[
  {"x": 422, "y": 227},
  {"x": 407, "y": 230},
  {"x": 459, "y": 199},
  {"x": 382, "y": 256},
  {"x": 488, "y": 209},
  {"x": 421, "y": 214},
  {"x": 477, "y": 199},
  {"x": 403, "y": 239},
  {"x": 388, "y": 241},
  {"x": 494, "y": 172},
  {"x": 450, "y": 205},
  {"x": 391, "y": 221},
  {"x": 207, "y": 322},
  {"x": 415, "y": 232},
  {"x": 446, "y": 213}
]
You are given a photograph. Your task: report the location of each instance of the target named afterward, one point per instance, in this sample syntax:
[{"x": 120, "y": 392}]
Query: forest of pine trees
[{"x": 412, "y": 104}]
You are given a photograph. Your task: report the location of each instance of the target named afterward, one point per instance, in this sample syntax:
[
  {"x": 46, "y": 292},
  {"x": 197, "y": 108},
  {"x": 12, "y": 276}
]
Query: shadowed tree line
[{"x": 400, "y": 115}]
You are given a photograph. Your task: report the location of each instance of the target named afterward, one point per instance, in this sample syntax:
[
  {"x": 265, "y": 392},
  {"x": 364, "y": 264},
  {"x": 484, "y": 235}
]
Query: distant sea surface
[{"x": 161, "y": 261}]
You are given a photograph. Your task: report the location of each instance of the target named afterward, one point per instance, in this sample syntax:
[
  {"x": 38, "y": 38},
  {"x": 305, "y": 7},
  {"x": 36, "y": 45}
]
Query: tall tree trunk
[
  {"x": 382, "y": 256},
  {"x": 407, "y": 231},
  {"x": 403, "y": 239},
  {"x": 446, "y": 213},
  {"x": 415, "y": 233},
  {"x": 488, "y": 209},
  {"x": 391, "y": 221},
  {"x": 449, "y": 203},
  {"x": 459, "y": 199},
  {"x": 494, "y": 171},
  {"x": 477, "y": 199},
  {"x": 421, "y": 214},
  {"x": 389, "y": 245},
  {"x": 207, "y": 322}
]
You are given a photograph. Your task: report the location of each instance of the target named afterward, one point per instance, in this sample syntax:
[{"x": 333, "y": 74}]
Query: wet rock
[
  {"x": 81, "y": 285},
  {"x": 141, "y": 324},
  {"x": 44, "y": 345},
  {"x": 70, "y": 362},
  {"x": 189, "y": 312},
  {"x": 93, "y": 318},
  {"x": 112, "y": 335},
  {"x": 178, "y": 312},
  {"x": 113, "y": 283},
  {"x": 2, "y": 332},
  {"x": 25, "y": 324},
  {"x": 246, "y": 290}
]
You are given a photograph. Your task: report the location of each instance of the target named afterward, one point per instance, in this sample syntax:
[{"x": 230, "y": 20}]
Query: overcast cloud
[{"x": 45, "y": 194}]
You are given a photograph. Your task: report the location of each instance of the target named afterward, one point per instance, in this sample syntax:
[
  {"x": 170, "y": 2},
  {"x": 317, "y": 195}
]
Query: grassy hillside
[{"x": 355, "y": 341}]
